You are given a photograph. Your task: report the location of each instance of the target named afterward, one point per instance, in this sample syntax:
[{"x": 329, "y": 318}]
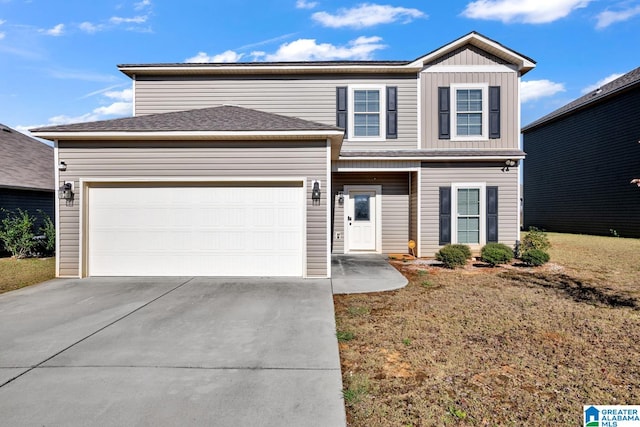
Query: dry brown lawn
[
  {"x": 508, "y": 346},
  {"x": 18, "y": 273}
]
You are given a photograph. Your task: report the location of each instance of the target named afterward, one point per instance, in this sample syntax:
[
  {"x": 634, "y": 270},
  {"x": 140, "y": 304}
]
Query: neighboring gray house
[
  {"x": 261, "y": 169},
  {"x": 26, "y": 173},
  {"x": 580, "y": 161}
]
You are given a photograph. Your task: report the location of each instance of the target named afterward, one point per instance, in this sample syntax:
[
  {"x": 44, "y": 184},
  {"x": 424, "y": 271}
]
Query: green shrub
[
  {"x": 453, "y": 256},
  {"x": 535, "y": 257},
  {"x": 48, "y": 230},
  {"x": 496, "y": 253},
  {"x": 535, "y": 239},
  {"x": 16, "y": 232}
]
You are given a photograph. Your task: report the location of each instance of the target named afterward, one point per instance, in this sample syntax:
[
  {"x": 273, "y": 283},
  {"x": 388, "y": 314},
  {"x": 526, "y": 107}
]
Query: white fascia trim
[
  {"x": 329, "y": 198},
  {"x": 177, "y": 135},
  {"x": 439, "y": 158},
  {"x": 133, "y": 88},
  {"x": 272, "y": 69},
  {"x": 497, "y": 68},
  {"x": 198, "y": 179},
  {"x": 419, "y": 112},
  {"x": 56, "y": 174}
]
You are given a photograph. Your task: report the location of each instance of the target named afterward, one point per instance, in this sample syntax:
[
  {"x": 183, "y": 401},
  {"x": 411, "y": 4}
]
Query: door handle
[{"x": 349, "y": 218}]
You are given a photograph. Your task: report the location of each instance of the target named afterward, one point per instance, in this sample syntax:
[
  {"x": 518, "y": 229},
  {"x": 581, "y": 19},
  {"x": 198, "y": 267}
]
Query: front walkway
[{"x": 363, "y": 273}]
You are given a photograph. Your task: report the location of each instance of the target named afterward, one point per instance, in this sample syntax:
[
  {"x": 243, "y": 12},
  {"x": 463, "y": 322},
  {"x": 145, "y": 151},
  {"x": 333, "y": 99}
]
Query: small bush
[
  {"x": 496, "y": 253},
  {"x": 48, "y": 230},
  {"x": 535, "y": 257},
  {"x": 16, "y": 232},
  {"x": 535, "y": 239},
  {"x": 453, "y": 256}
]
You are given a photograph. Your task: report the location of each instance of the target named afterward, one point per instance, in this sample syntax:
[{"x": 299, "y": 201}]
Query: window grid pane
[
  {"x": 366, "y": 118},
  {"x": 468, "y": 215},
  {"x": 469, "y": 112}
]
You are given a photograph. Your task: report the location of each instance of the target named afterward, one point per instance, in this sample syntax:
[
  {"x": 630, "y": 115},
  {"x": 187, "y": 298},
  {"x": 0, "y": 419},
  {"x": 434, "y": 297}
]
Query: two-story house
[{"x": 267, "y": 169}]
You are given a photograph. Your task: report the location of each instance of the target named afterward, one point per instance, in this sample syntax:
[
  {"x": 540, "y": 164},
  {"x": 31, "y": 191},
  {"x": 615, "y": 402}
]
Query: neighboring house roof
[
  {"x": 25, "y": 163},
  {"x": 627, "y": 81},
  {"x": 522, "y": 62}
]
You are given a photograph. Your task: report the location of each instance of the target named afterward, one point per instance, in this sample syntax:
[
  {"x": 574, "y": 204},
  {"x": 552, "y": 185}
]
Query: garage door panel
[{"x": 182, "y": 231}]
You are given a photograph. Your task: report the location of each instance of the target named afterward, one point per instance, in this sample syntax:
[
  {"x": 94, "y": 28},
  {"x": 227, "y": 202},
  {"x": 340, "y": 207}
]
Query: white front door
[{"x": 362, "y": 220}]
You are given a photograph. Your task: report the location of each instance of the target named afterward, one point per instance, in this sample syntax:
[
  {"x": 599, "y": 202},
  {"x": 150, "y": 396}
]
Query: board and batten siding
[
  {"x": 395, "y": 207},
  {"x": 509, "y": 117},
  {"x": 578, "y": 170},
  {"x": 200, "y": 159},
  {"x": 436, "y": 175},
  {"x": 310, "y": 98}
]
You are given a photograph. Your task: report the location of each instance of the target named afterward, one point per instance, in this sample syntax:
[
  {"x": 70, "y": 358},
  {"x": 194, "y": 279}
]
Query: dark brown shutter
[
  {"x": 492, "y": 214},
  {"x": 444, "y": 120},
  {"x": 445, "y": 215},
  {"x": 341, "y": 108},
  {"x": 494, "y": 112},
  {"x": 392, "y": 112}
]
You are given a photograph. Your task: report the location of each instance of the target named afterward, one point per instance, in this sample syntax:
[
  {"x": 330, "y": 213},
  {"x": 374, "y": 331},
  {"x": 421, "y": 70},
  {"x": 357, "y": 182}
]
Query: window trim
[
  {"x": 484, "y": 87},
  {"x": 482, "y": 186},
  {"x": 382, "y": 112}
]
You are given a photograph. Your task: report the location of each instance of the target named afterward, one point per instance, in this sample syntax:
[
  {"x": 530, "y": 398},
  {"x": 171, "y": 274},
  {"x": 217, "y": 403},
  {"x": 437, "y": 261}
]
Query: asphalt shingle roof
[
  {"x": 225, "y": 118},
  {"x": 628, "y": 80},
  {"x": 25, "y": 162}
]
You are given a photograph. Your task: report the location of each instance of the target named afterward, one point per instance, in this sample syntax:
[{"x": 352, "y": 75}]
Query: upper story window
[
  {"x": 366, "y": 121},
  {"x": 470, "y": 114},
  {"x": 367, "y": 112}
]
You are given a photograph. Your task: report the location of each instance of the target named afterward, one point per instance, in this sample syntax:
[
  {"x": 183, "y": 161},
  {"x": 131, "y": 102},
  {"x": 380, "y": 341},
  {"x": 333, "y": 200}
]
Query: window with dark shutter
[
  {"x": 341, "y": 108},
  {"x": 392, "y": 112},
  {"x": 494, "y": 112},
  {"x": 492, "y": 214},
  {"x": 444, "y": 120},
  {"x": 445, "y": 215}
]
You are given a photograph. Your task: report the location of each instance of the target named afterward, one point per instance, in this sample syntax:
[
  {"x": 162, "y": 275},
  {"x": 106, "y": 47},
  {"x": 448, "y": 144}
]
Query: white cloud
[
  {"x": 142, "y": 4},
  {"x": 608, "y": 17},
  {"x": 90, "y": 28},
  {"x": 601, "y": 83},
  {"x": 304, "y": 4},
  {"x": 2, "y": 35},
  {"x": 226, "y": 56},
  {"x": 120, "y": 95},
  {"x": 117, "y": 20},
  {"x": 2, "y": 21},
  {"x": 536, "y": 89},
  {"x": 366, "y": 15},
  {"x": 55, "y": 31},
  {"x": 361, "y": 48},
  {"x": 526, "y": 11}
]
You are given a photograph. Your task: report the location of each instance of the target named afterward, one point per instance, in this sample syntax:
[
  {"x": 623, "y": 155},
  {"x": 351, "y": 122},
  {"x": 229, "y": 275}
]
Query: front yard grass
[
  {"x": 18, "y": 273},
  {"x": 507, "y": 346}
]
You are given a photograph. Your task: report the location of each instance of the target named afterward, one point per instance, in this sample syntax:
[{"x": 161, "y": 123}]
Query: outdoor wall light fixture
[
  {"x": 315, "y": 191},
  {"x": 62, "y": 166},
  {"x": 509, "y": 164},
  {"x": 66, "y": 191},
  {"x": 341, "y": 197}
]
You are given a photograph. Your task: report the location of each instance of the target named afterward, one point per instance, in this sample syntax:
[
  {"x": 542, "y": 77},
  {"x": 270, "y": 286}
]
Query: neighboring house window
[
  {"x": 367, "y": 112},
  {"x": 469, "y": 112}
]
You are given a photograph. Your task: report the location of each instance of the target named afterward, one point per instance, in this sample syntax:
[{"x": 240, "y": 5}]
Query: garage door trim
[{"x": 81, "y": 197}]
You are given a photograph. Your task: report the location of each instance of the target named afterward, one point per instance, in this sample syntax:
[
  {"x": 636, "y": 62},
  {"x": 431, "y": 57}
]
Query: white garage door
[{"x": 248, "y": 230}]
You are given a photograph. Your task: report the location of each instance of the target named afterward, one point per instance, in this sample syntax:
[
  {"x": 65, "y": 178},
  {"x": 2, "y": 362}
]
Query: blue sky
[{"x": 58, "y": 57}]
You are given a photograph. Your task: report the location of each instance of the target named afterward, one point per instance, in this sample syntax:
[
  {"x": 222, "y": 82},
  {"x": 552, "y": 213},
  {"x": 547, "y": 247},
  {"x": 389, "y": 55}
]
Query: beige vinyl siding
[
  {"x": 395, "y": 207},
  {"x": 353, "y": 165},
  {"x": 509, "y": 120},
  {"x": 237, "y": 159},
  {"x": 468, "y": 55},
  {"x": 309, "y": 97},
  {"x": 436, "y": 175}
]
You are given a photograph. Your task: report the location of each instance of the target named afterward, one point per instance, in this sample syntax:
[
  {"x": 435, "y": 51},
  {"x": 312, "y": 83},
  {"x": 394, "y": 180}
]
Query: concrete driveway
[{"x": 170, "y": 351}]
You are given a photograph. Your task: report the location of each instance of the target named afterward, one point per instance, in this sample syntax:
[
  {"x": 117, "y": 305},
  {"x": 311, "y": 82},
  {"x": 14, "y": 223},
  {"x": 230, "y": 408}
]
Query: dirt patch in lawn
[{"x": 489, "y": 346}]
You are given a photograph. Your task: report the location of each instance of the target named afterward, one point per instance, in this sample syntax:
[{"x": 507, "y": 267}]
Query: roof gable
[
  {"x": 625, "y": 82},
  {"x": 25, "y": 163}
]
